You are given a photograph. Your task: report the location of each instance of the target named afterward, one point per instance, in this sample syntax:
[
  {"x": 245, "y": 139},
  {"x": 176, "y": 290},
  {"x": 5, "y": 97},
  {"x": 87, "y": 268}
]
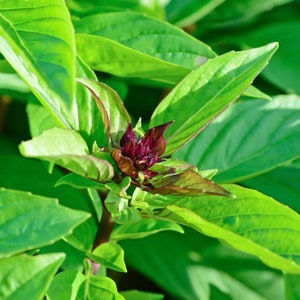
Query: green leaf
[
  {"x": 37, "y": 40},
  {"x": 253, "y": 92},
  {"x": 90, "y": 123},
  {"x": 283, "y": 71},
  {"x": 292, "y": 286},
  {"x": 103, "y": 288},
  {"x": 79, "y": 182},
  {"x": 281, "y": 183},
  {"x": 66, "y": 285},
  {"x": 90, "y": 7},
  {"x": 27, "y": 277},
  {"x": 198, "y": 267},
  {"x": 113, "y": 112},
  {"x": 39, "y": 119},
  {"x": 25, "y": 225},
  {"x": 120, "y": 210},
  {"x": 186, "y": 13},
  {"x": 27, "y": 174},
  {"x": 236, "y": 145},
  {"x": 67, "y": 148},
  {"x": 252, "y": 223},
  {"x": 121, "y": 187},
  {"x": 120, "y": 60},
  {"x": 135, "y": 50},
  {"x": 137, "y": 295},
  {"x": 231, "y": 12},
  {"x": 11, "y": 81},
  {"x": 143, "y": 228},
  {"x": 109, "y": 255},
  {"x": 206, "y": 92},
  {"x": 142, "y": 198}
]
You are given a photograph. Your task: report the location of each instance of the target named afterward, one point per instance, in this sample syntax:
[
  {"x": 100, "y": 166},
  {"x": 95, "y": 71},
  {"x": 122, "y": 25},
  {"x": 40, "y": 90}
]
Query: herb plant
[{"x": 145, "y": 146}]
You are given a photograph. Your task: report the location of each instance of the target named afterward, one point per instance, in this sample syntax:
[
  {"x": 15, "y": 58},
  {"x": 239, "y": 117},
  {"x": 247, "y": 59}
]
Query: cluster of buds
[{"x": 137, "y": 155}]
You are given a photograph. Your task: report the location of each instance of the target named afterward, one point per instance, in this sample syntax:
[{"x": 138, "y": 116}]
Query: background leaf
[
  {"x": 27, "y": 277},
  {"x": 30, "y": 221},
  {"x": 250, "y": 138},
  {"x": 252, "y": 223},
  {"x": 186, "y": 13},
  {"x": 37, "y": 40},
  {"x": 152, "y": 8},
  {"x": 138, "y": 48},
  {"x": 292, "y": 290},
  {"x": 126, "y": 62},
  {"x": 206, "y": 92},
  {"x": 201, "y": 268},
  {"x": 281, "y": 183},
  {"x": 233, "y": 12},
  {"x": 282, "y": 72}
]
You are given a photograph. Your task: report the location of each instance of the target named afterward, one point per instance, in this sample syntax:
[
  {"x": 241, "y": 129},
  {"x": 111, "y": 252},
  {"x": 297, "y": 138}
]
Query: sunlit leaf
[
  {"x": 103, "y": 288},
  {"x": 37, "y": 40},
  {"x": 109, "y": 255},
  {"x": 66, "y": 285},
  {"x": 207, "y": 91},
  {"x": 114, "y": 114},
  {"x": 28, "y": 277},
  {"x": 67, "y": 148}
]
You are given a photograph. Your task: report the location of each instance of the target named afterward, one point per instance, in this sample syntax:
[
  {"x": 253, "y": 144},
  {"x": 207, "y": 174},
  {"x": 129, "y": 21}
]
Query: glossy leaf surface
[
  {"x": 37, "y": 40},
  {"x": 137, "y": 46},
  {"x": 27, "y": 277},
  {"x": 248, "y": 139},
  {"x": 206, "y": 92}
]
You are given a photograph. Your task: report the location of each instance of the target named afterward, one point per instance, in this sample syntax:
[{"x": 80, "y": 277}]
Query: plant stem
[{"x": 105, "y": 226}]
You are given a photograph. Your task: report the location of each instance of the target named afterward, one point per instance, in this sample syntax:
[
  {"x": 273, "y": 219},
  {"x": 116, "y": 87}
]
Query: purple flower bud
[{"x": 137, "y": 155}]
